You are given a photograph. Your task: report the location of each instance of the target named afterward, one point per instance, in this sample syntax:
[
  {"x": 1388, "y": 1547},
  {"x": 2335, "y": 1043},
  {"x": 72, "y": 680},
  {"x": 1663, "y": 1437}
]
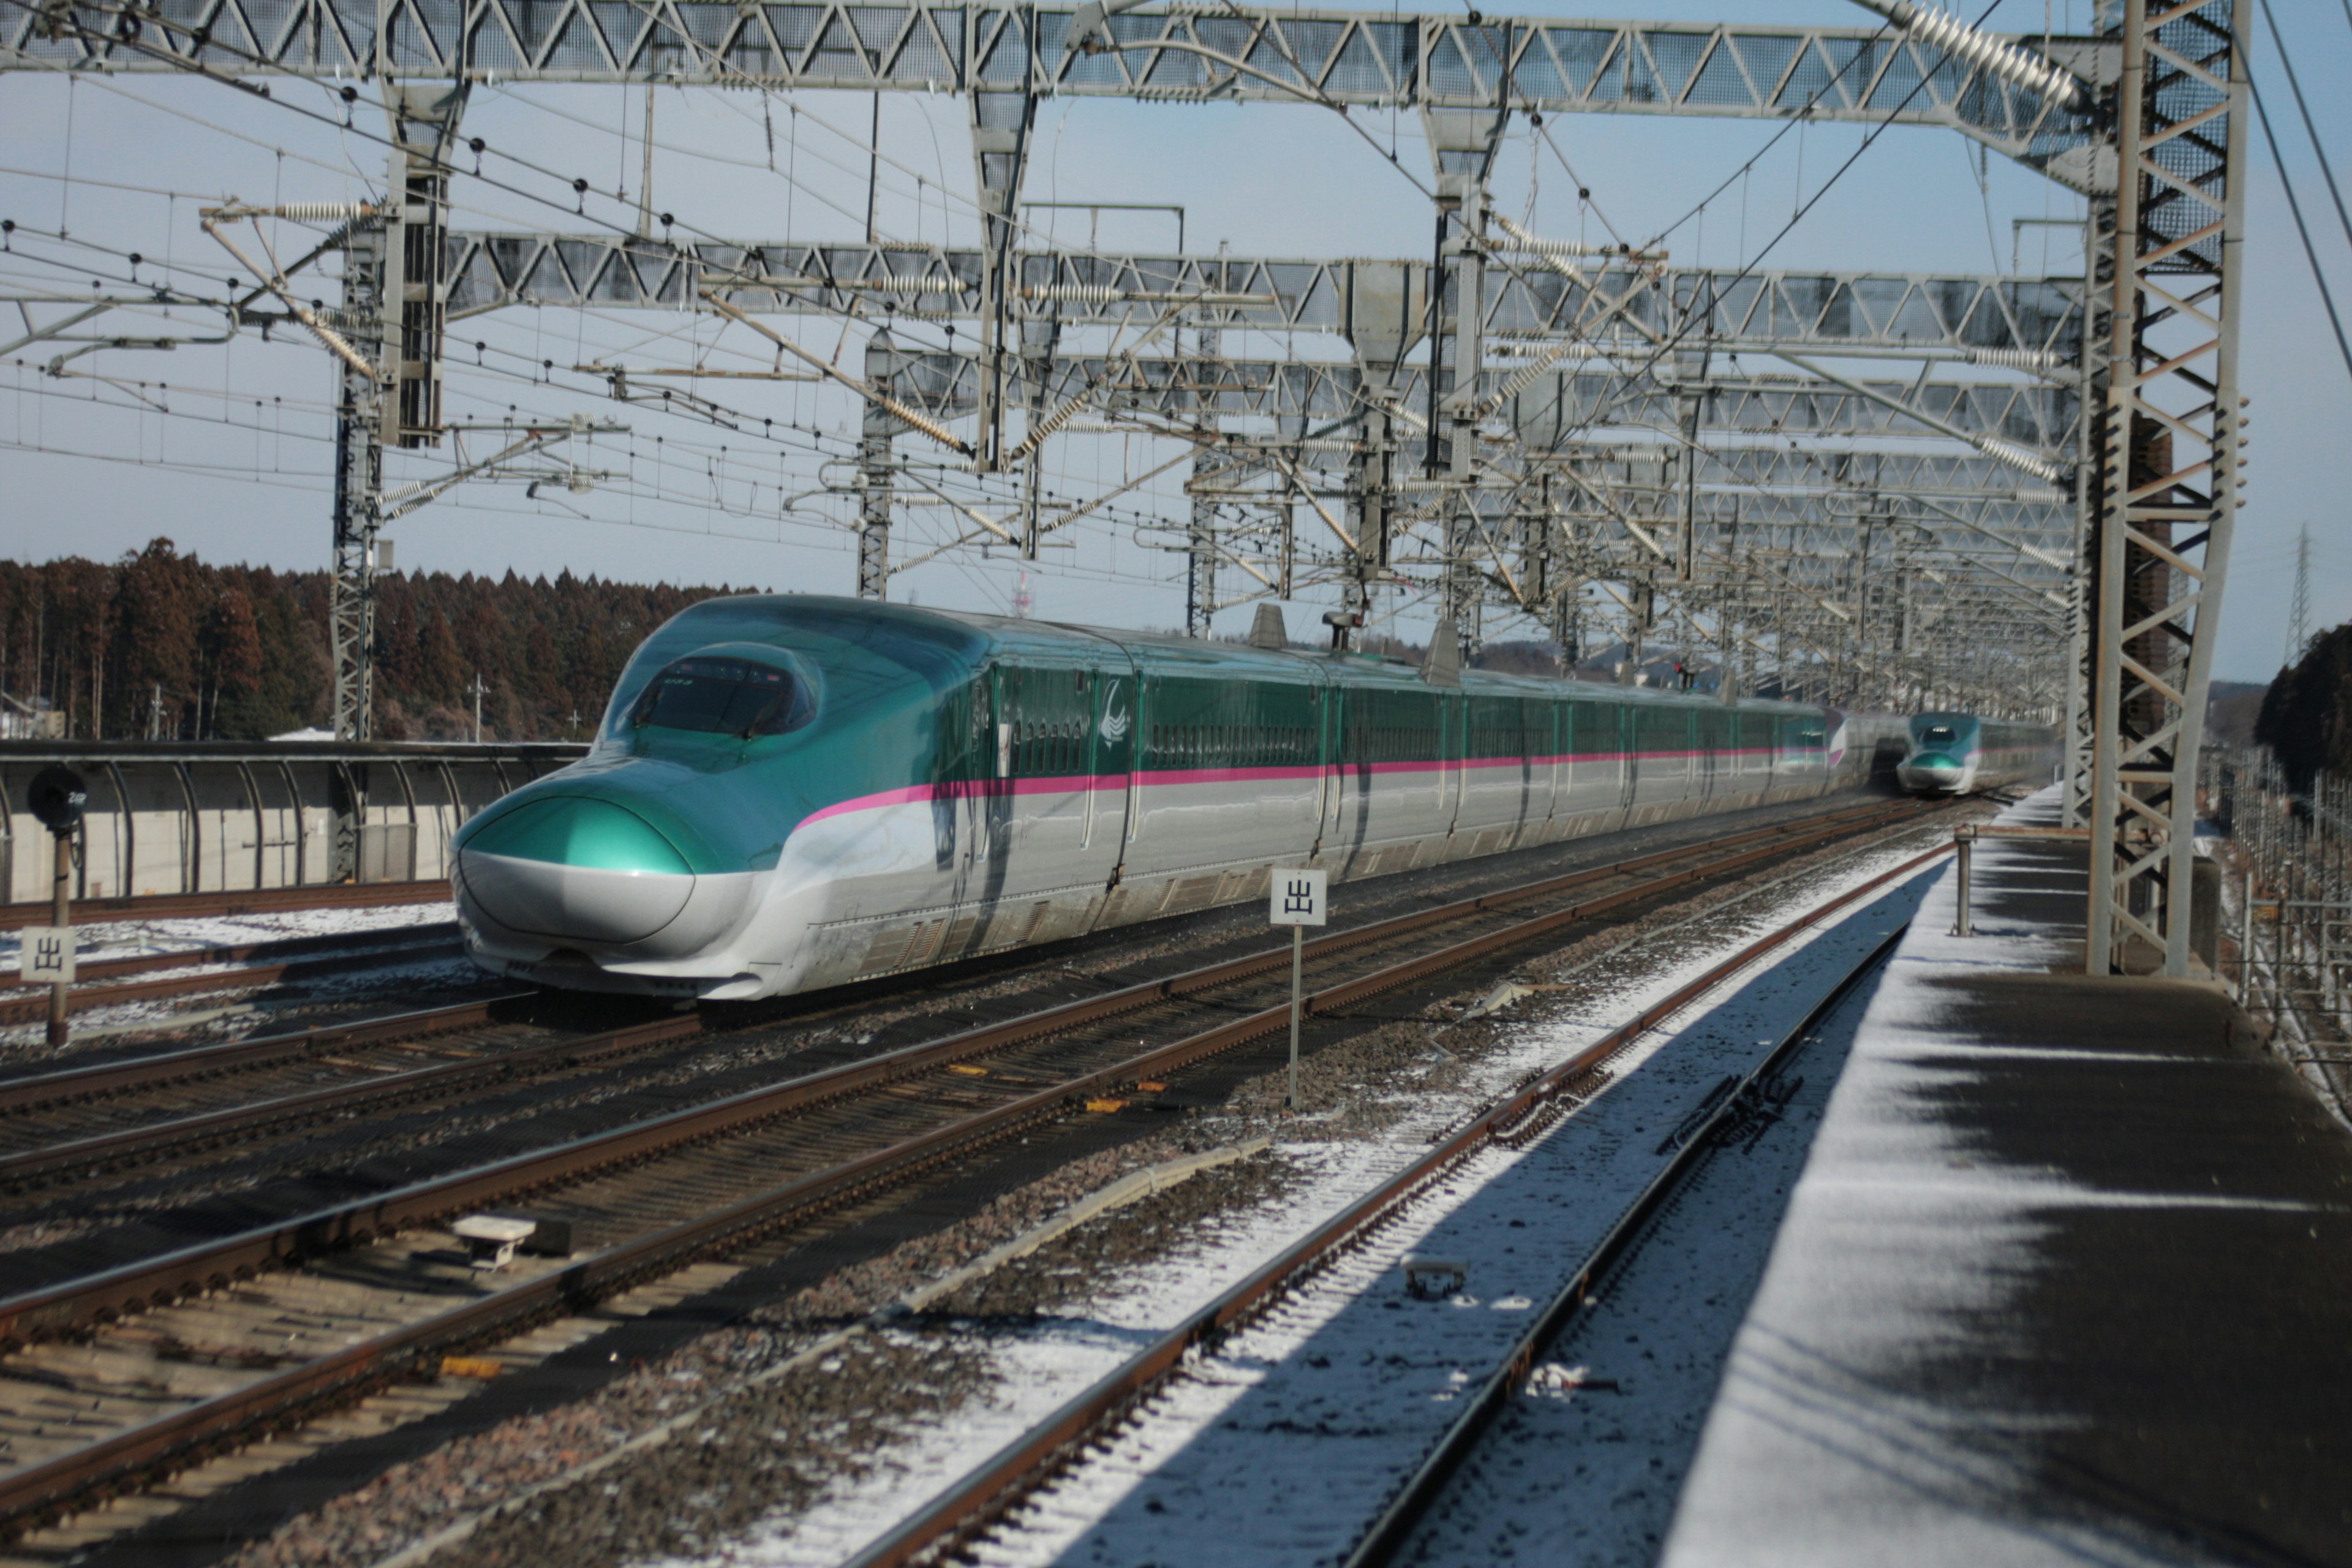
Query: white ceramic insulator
[
  {"x": 2012, "y": 453},
  {"x": 1517, "y": 349},
  {"x": 321, "y": 212},
  {"x": 1527, "y": 375},
  {"x": 1534, "y": 245},
  {"x": 1075, "y": 293},
  {"x": 1051, "y": 423},
  {"x": 1982, "y": 50},
  {"x": 2032, "y": 361}
]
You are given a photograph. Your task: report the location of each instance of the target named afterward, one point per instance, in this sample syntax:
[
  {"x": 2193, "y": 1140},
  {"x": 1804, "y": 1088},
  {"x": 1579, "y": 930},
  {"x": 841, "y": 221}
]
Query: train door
[
  {"x": 970, "y": 822},
  {"x": 1558, "y": 728},
  {"x": 1045, "y": 781},
  {"x": 1118, "y": 710},
  {"x": 1453, "y": 757},
  {"x": 1628, "y": 754},
  {"x": 1708, "y": 728},
  {"x": 1327, "y": 791}
]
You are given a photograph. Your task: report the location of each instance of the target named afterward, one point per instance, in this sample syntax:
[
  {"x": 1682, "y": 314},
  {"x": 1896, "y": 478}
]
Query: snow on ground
[
  {"x": 412, "y": 985},
  {"x": 124, "y": 939},
  {"x": 1279, "y": 1448},
  {"x": 1826, "y": 1459},
  {"x": 1584, "y": 1468},
  {"x": 425, "y": 981}
]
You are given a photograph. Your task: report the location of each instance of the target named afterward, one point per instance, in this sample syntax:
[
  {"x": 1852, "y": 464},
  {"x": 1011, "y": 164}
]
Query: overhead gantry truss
[
  {"x": 1624, "y": 487},
  {"x": 2034, "y": 324},
  {"x": 1228, "y": 54},
  {"x": 1554, "y": 407},
  {"x": 1606, "y": 310},
  {"x": 1899, "y": 604}
]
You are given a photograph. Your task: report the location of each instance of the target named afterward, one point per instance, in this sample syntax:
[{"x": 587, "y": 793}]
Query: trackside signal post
[
  {"x": 1298, "y": 899},
  {"x": 57, "y": 797}
]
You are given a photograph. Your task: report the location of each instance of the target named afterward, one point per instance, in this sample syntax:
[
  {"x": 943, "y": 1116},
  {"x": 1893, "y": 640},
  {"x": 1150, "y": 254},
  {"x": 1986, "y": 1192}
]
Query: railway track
[
  {"x": 182, "y": 1352},
  {"x": 253, "y": 901},
  {"x": 957, "y": 1521},
  {"x": 103, "y": 982},
  {"x": 69, "y": 1131},
  {"x": 252, "y": 952}
]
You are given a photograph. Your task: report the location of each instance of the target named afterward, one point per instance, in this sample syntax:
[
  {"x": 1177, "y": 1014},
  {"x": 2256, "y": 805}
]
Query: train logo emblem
[{"x": 1114, "y": 723}]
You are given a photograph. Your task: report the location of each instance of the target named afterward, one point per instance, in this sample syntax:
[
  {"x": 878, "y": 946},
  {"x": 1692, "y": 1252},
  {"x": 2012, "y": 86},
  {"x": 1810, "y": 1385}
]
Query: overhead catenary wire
[
  {"x": 2302, "y": 231},
  {"x": 2318, "y": 147},
  {"x": 167, "y": 108},
  {"x": 1869, "y": 139},
  {"x": 696, "y": 455}
]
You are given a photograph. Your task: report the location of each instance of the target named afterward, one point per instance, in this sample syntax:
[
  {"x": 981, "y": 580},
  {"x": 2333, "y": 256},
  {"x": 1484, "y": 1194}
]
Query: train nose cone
[
  {"x": 1930, "y": 771},
  {"x": 576, "y": 869}
]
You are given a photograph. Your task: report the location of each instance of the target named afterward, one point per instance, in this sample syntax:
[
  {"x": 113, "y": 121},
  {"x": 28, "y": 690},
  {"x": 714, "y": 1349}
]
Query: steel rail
[
  {"x": 40, "y": 1491},
  {"x": 70, "y": 1084},
  {"x": 972, "y": 1505},
  {"x": 254, "y": 901},
  {"x": 1405, "y": 1509},
  {"x": 382, "y": 1092},
  {"x": 20, "y": 1008},
  {"x": 242, "y": 952},
  {"x": 115, "y": 1148}
]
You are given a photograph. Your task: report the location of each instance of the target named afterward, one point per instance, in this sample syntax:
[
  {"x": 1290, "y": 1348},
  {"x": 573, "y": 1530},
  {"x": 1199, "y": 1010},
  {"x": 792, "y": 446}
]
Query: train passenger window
[{"x": 721, "y": 696}]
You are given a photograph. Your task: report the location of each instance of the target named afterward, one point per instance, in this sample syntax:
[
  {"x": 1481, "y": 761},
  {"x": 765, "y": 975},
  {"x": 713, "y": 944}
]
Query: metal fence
[
  {"x": 2289, "y": 858},
  {"x": 229, "y": 817}
]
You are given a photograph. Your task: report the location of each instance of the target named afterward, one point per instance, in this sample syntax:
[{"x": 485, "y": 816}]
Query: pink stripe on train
[{"x": 1072, "y": 783}]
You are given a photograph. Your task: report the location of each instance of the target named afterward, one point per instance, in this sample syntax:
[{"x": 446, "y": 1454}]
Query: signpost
[
  {"x": 1298, "y": 899},
  {"x": 57, "y": 797}
]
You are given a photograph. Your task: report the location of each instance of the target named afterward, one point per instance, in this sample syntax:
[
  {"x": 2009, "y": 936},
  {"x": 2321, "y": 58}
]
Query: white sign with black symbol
[
  {"x": 1300, "y": 899},
  {"x": 49, "y": 956}
]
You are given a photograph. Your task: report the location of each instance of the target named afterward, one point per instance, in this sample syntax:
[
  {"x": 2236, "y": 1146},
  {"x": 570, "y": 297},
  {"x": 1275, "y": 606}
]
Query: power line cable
[
  {"x": 2295, "y": 86},
  {"x": 1802, "y": 117},
  {"x": 2318, "y": 275}
]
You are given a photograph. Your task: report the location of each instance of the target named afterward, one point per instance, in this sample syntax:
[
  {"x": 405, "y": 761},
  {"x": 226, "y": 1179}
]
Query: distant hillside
[
  {"x": 2231, "y": 710},
  {"x": 160, "y": 644},
  {"x": 2306, "y": 717}
]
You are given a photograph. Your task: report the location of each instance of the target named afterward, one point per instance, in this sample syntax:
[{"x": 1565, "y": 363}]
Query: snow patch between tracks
[{"x": 1278, "y": 1448}]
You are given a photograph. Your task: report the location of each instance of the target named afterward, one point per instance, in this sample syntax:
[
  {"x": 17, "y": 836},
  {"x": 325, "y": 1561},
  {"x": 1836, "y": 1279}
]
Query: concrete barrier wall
[{"x": 224, "y": 818}]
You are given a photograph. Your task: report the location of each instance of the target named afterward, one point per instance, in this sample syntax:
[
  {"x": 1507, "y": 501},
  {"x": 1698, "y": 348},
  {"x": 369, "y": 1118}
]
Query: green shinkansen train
[
  {"x": 1960, "y": 753},
  {"x": 789, "y": 793}
]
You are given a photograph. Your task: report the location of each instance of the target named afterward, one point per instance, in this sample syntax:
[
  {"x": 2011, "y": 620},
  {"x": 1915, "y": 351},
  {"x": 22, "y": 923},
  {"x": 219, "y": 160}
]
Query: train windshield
[
  {"x": 720, "y": 696},
  {"x": 1939, "y": 735}
]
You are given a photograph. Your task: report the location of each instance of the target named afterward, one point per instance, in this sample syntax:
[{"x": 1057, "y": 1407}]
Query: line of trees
[
  {"x": 2306, "y": 714},
  {"x": 161, "y": 646}
]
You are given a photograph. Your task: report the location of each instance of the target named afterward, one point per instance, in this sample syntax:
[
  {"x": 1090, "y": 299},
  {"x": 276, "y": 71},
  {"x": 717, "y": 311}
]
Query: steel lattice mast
[{"x": 2166, "y": 486}]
